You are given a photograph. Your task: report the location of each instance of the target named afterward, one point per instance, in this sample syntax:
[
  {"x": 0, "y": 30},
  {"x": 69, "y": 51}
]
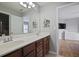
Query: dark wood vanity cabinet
[
  {"x": 29, "y": 50},
  {"x": 17, "y": 53},
  {"x": 46, "y": 45},
  {"x": 38, "y": 48}
]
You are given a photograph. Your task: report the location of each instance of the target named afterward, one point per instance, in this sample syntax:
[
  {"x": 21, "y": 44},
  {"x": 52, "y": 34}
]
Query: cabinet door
[
  {"x": 29, "y": 50},
  {"x": 39, "y": 48},
  {"x": 31, "y": 54},
  {"x": 46, "y": 45},
  {"x": 17, "y": 53}
]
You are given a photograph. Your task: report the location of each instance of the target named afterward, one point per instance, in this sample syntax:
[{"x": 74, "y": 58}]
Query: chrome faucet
[
  {"x": 4, "y": 38},
  {"x": 11, "y": 37}
]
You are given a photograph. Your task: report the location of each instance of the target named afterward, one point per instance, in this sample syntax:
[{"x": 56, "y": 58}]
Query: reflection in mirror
[
  {"x": 46, "y": 23},
  {"x": 4, "y": 24},
  {"x": 16, "y": 19},
  {"x": 34, "y": 24},
  {"x": 25, "y": 24}
]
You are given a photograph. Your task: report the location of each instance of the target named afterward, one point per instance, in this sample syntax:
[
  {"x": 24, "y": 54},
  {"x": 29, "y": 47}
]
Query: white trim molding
[
  {"x": 52, "y": 52},
  {"x": 57, "y": 55}
]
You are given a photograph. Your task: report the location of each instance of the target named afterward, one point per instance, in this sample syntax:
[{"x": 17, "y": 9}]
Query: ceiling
[
  {"x": 18, "y": 8},
  {"x": 69, "y": 12},
  {"x": 14, "y": 6}
]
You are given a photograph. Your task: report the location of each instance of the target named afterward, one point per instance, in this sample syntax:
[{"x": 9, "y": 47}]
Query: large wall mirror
[
  {"x": 14, "y": 18},
  {"x": 13, "y": 24},
  {"x": 20, "y": 18},
  {"x": 4, "y": 24}
]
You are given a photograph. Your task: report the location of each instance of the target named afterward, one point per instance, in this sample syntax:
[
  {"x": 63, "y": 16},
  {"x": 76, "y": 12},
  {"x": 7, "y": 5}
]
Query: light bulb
[
  {"x": 30, "y": 3},
  {"x": 24, "y": 5},
  {"x": 29, "y": 6},
  {"x": 33, "y": 5}
]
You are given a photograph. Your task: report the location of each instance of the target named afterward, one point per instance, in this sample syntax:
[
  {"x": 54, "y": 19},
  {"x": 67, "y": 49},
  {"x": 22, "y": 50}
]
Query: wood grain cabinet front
[
  {"x": 31, "y": 54},
  {"x": 38, "y": 48},
  {"x": 46, "y": 45},
  {"x": 17, "y": 53},
  {"x": 29, "y": 50}
]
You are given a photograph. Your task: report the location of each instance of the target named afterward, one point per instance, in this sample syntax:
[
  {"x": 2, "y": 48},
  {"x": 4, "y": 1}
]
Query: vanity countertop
[{"x": 8, "y": 47}]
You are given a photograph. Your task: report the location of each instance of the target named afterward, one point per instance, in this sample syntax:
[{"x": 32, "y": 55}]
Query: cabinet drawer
[
  {"x": 17, "y": 53},
  {"x": 27, "y": 49}
]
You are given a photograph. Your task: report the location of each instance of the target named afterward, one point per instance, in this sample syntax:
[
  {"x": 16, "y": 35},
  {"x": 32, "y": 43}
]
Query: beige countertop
[{"x": 8, "y": 47}]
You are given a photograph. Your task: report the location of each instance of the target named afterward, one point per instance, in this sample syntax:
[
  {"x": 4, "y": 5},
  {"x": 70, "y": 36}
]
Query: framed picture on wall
[{"x": 46, "y": 23}]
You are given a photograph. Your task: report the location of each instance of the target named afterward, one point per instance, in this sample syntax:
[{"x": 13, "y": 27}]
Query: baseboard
[
  {"x": 52, "y": 52},
  {"x": 57, "y": 55}
]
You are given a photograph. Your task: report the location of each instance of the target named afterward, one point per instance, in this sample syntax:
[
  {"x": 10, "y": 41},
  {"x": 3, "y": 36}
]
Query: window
[{"x": 25, "y": 24}]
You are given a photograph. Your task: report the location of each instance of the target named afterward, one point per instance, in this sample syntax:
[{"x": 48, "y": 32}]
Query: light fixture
[
  {"x": 33, "y": 5},
  {"x": 23, "y": 4},
  {"x": 30, "y": 3},
  {"x": 27, "y": 4}
]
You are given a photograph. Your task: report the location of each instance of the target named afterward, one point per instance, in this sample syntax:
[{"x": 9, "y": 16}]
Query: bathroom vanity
[
  {"x": 23, "y": 35},
  {"x": 37, "y": 48}
]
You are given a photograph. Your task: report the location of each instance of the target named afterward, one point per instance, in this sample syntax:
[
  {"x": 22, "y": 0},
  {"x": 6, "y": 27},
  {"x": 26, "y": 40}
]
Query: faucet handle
[
  {"x": 8, "y": 39},
  {"x": 11, "y": 36},
  {"x": 4, "y": 38},
  {"x": 0, "y": 39},
  {"x": 3, "y": 35}
]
